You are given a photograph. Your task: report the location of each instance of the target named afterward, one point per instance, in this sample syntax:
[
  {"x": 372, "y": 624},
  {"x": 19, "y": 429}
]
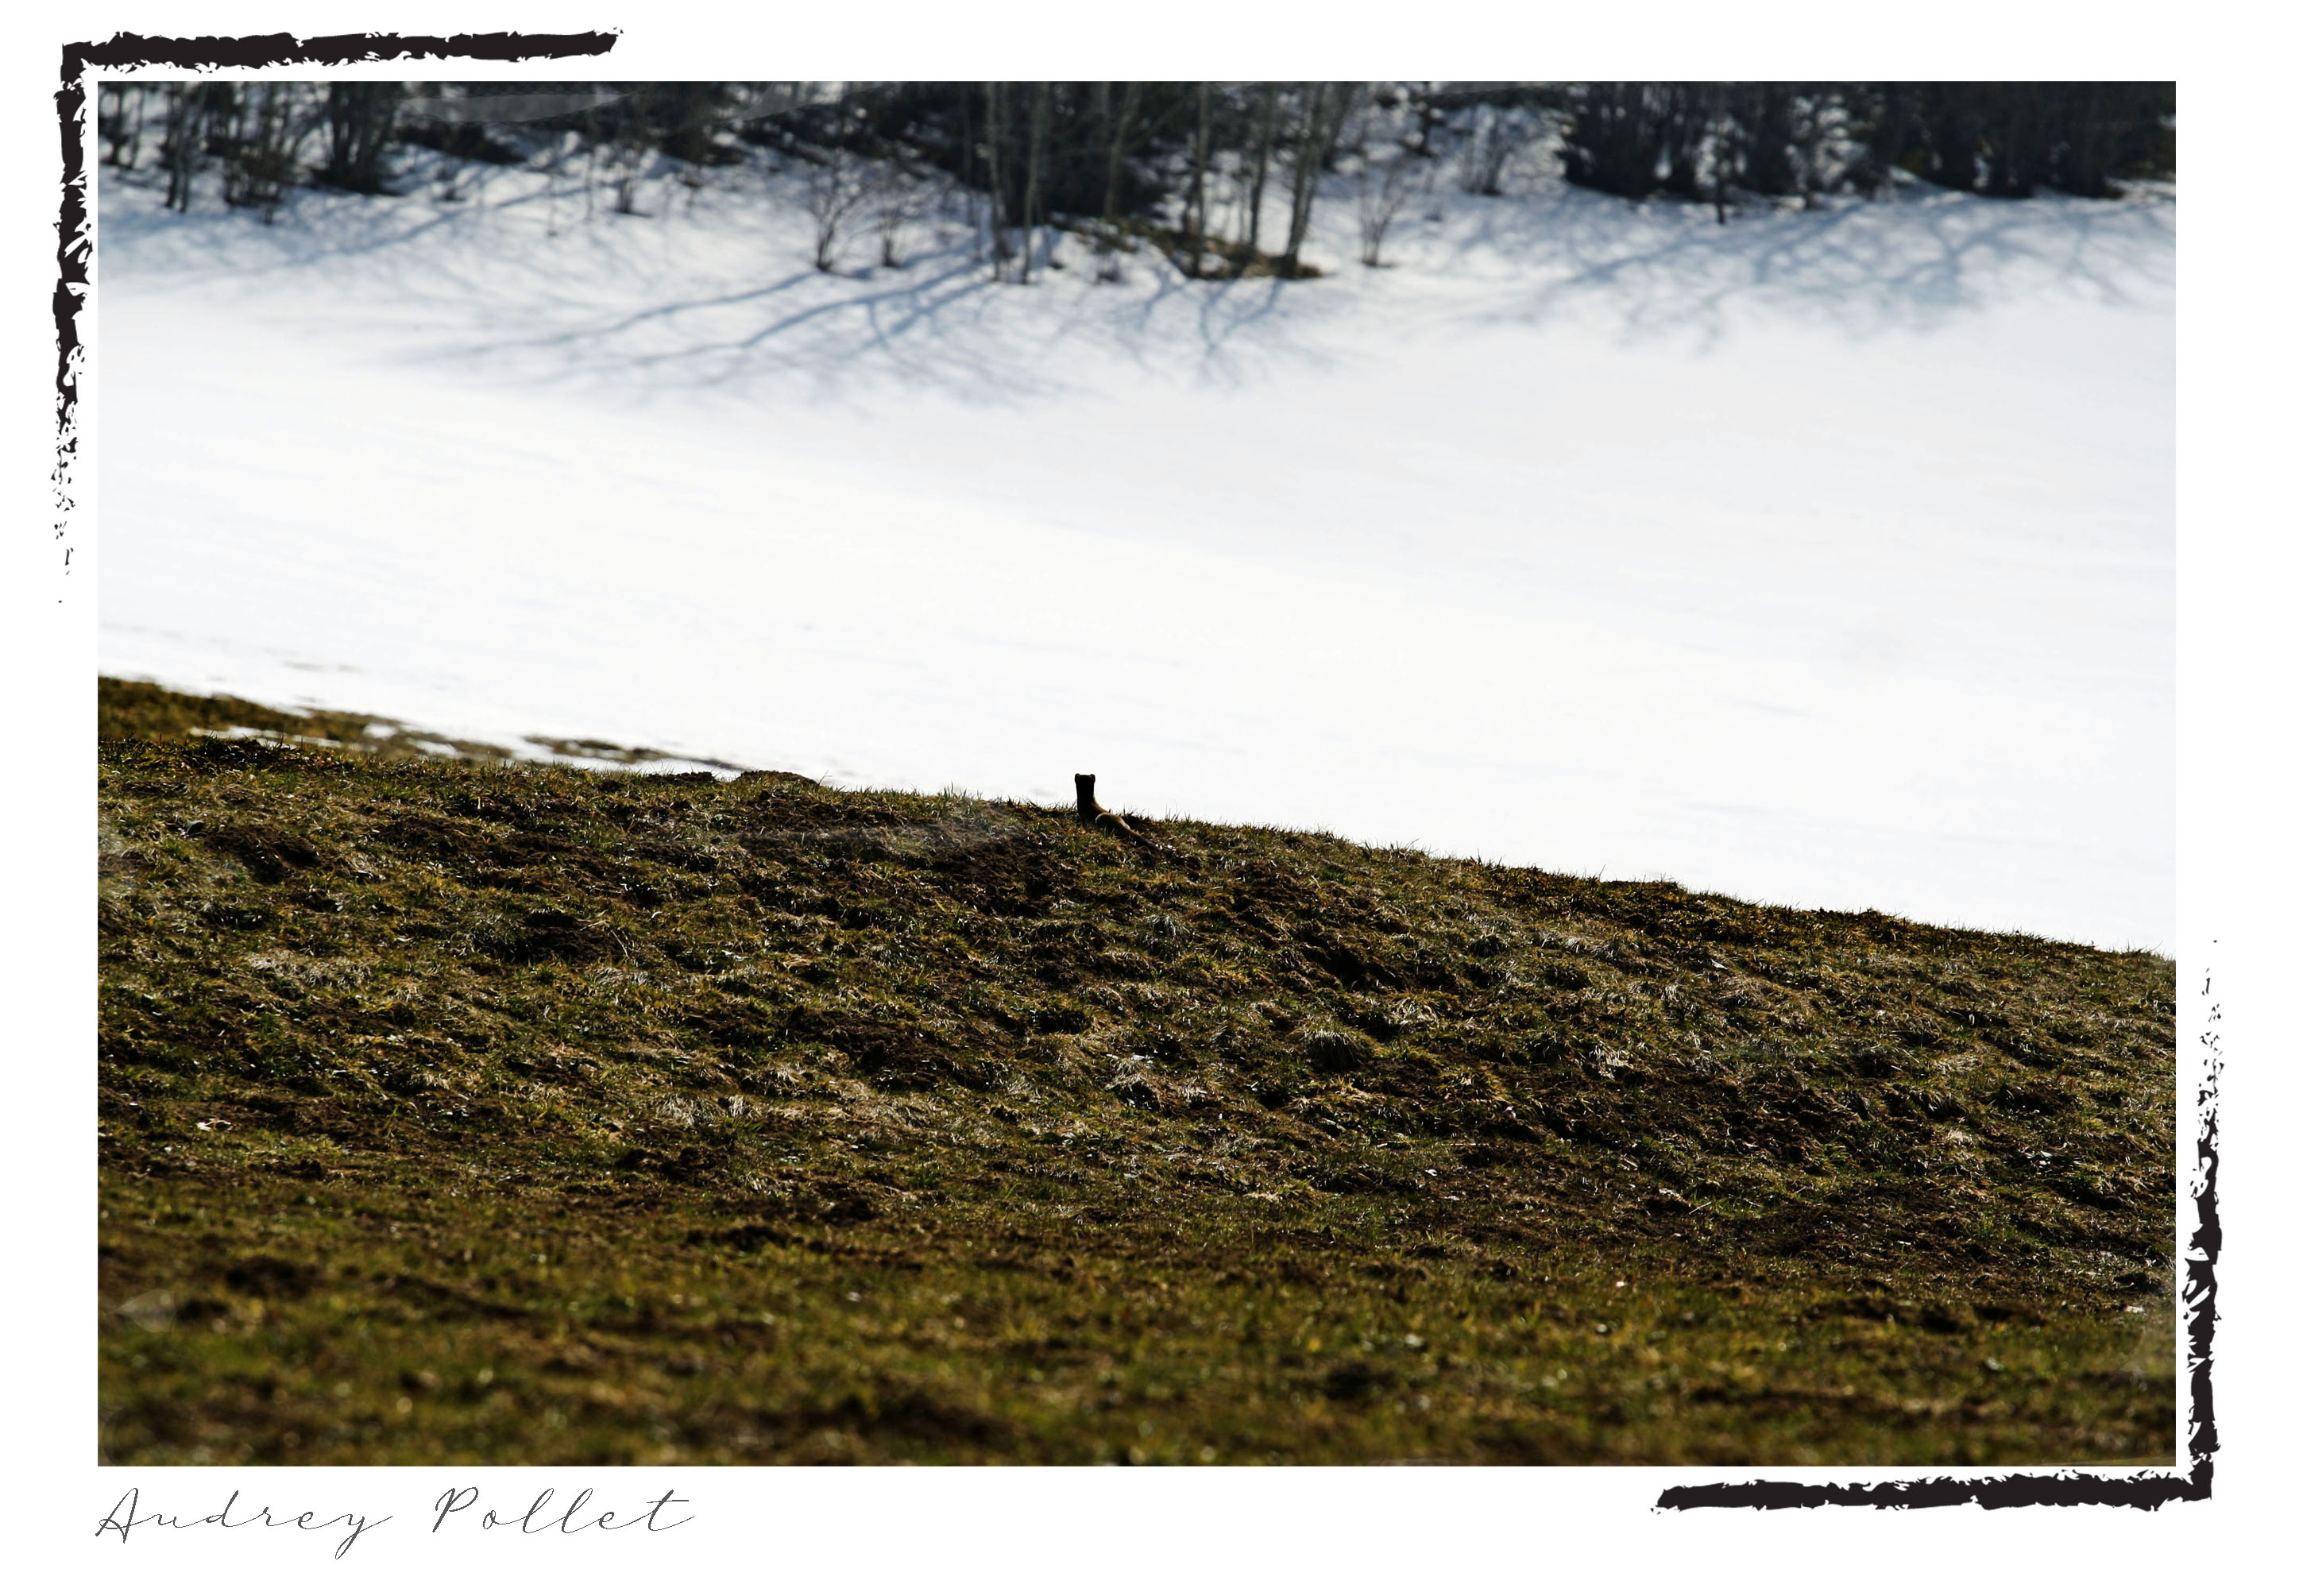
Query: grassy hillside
[{"x": 466, "y": 1110}]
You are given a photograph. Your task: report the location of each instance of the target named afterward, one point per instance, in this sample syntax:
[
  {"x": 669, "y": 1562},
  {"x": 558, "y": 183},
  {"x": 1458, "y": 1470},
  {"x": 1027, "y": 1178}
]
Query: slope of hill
[
  {"x": 458, "y": 1111},
  {"x": 1824, "y": 557}
]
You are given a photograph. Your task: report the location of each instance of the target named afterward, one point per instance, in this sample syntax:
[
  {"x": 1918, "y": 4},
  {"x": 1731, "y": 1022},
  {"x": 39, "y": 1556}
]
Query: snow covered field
[{"x": 1822, "y": 559}]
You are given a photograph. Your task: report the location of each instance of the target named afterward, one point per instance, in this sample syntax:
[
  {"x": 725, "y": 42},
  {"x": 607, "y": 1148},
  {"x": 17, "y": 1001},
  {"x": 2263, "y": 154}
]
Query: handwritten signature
[{"x": 127, "y": 1514}]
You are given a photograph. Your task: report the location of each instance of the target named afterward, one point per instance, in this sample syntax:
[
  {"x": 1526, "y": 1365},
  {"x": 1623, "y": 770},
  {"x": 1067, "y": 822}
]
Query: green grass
[{"x": 468, "y": 1110}]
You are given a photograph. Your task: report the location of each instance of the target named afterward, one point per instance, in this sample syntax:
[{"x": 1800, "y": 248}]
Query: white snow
[{"x": 1822, "y": 559}]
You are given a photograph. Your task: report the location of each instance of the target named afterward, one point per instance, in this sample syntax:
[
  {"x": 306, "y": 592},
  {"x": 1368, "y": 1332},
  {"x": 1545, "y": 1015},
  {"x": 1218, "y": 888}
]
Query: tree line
[
  {"x": 1703, "y": 140},
  {"x": 1222, "y": 178}
]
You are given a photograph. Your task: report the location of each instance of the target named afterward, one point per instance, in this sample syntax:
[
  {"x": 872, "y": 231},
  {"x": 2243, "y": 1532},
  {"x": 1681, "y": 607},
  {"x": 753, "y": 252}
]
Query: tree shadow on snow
[
  {"x": 1860, "y": 268},
  {"x": 520, "y": 283},
  {"x": 525, "y": 285}
]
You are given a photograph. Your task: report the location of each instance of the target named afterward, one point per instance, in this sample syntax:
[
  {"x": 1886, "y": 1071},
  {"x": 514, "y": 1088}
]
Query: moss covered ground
[{"x": 454, "y": 1109}]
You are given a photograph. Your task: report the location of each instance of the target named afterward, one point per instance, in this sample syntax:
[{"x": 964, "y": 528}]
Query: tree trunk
[
  {"x": 1265, "y": 135},
  {"x": 359, "y": 130},
  {"x": 187, "y": 121},
  {"x": 1198, "y": 181},
  {"x": 1321, "y": 124},
  {"x": 1129, "y": 98},
  {"x": 1033, "y": 165},
  {"x": 1128, "y": 101},
  {"x": 994, "y": 121},
  {"x": 1305, "y": 179}
]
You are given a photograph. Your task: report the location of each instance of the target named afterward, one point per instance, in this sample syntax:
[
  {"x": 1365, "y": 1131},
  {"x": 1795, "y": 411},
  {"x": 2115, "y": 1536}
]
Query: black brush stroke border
[
  {"x": 75, "y": 248},
  {"x": 2199, "y": 1291},
  {"x": 2063, "y": 1488}
]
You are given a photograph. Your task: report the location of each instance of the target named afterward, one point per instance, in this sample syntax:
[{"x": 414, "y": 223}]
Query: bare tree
[
  {"x": 1493, "y": 144},
  {"x": 994, "y": 119},
  {"x": 1326, "y": 107},
  {"x": 1200, "y": 151},
  {"x": 185, "y": 141},
  {"x": 359, "y": 119},
  {"x": 1129, "y": 99},
  {"x": 836, "y": 186},
  {"x": 269, "y": 123},
  {"x": 123, "y": 126},
  {"x": 629, "y": 149},
  {"x": 1265, "y": 136},
  {"x": 1033, "y": 166},
  {"x": 1384, "y": 186},
  {"x": 591, "y": 142},
  {"x": 901, "y": 199}
]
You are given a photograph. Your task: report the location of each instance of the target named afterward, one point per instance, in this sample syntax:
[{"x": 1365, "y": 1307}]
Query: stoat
[{"x": 1091, "y": 813}]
